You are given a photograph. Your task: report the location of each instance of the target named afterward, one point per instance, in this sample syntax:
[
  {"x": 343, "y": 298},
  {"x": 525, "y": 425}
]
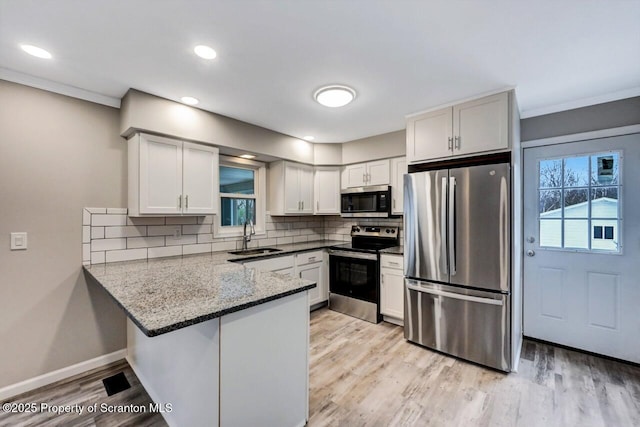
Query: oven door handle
[{"x": 349, "y": 254}]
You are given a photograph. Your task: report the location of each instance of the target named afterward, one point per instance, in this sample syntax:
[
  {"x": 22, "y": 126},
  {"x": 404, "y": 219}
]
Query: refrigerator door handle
[
  {"x": 443, "y": 227},
  {"x": 454, "y": 295},
  {"x": 452, "y": 226}
]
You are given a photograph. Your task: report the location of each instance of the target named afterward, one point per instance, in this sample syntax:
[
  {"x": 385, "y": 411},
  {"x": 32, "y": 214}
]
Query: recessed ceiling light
[
  {"x": 248, "y": 156},
  {"x": 189, "y": 100},
  {"x": 334, "y": 95},
  {"x": 36, "y": 51},
  {"x": 308, "y": 138},
  {"x": 205, "y": 52}
]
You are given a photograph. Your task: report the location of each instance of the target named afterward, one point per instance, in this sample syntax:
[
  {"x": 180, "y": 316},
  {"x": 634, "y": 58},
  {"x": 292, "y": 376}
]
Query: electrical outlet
[{"x": 177, "y": 232}]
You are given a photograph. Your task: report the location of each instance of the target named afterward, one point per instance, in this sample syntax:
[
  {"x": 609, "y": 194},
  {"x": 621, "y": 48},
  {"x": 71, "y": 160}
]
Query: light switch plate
[{"x": 19, "y": 241}]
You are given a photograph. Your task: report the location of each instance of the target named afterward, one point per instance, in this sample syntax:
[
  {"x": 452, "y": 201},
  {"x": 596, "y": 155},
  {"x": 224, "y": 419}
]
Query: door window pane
[
  {"x": 551, "y": 173},
  {"x": 236, "y": 212},
  {"x": 550, "y": 203},
  {"x": 578, "y": 202},
  {"x": 576, "y": 172},
  {"x": 551, "y": 233},
  {"x": 604, "y": 202},
  {"x": 605, "y": 235},
  {"x": 576, "y": 233},
  {"x": 605, "y": 169},
  {"x": 236, "y": 180}
]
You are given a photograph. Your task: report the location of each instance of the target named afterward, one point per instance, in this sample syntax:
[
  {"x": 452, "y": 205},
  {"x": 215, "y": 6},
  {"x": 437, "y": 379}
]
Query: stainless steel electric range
[{"x": 354, "y": 271}]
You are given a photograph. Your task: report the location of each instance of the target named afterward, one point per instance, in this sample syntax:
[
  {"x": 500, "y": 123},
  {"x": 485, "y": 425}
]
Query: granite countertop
[
  {"x": 395, "y": 250},
  {"x": 164, "y": 294}
]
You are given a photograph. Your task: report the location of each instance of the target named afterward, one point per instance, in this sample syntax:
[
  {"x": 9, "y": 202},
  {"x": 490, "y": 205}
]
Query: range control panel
[{"x": 374, "y": 231}]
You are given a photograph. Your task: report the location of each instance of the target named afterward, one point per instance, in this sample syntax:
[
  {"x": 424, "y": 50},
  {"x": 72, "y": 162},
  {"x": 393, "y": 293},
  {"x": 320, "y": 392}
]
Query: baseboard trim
[
  {"x": 579, "y": 350},
  {"x": 60, "y": 374}
]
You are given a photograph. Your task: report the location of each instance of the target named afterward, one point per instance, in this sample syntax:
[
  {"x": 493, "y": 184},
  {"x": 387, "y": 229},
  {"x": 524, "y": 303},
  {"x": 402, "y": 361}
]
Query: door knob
[
  {"x": 530, "y": 252},
  {"x": 531, "y": 239}
]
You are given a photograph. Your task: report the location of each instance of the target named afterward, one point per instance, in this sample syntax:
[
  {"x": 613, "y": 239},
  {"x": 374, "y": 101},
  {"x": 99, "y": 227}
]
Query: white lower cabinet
[
  {"x": 311, "y": 265},
  {"x": 392, "y": 287}
]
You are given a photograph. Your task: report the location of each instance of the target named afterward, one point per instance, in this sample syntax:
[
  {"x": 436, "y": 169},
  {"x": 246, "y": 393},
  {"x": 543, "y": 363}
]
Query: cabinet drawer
[
  {"x": 391, "y": 261},
  {"x": 309, "y": 257},
  {"x": 271, "y": 264}
]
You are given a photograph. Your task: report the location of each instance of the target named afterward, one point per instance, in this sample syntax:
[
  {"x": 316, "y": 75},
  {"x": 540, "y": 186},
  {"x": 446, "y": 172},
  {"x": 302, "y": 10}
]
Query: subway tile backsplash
[{"x": 109, "y": 235}]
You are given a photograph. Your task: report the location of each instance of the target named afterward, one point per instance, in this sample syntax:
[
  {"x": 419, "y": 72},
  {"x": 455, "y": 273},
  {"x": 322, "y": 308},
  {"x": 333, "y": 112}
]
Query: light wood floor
[
  {"x": 367, "y": 375},
  {"x": 363, "y": 374}
]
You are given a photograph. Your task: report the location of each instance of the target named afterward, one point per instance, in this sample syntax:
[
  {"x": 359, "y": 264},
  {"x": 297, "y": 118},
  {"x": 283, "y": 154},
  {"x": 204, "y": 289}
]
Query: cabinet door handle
[
  {"x": 457, "y": 142},
  {"x": 394, "y": 203},
  {"x": 186, "y": 201},
  {"x": 180, "y": 201},
  {"x": 450, "y": 143},
  {"x": 302, "y": 202},
  {"x": 364, "y": 177},
  {"x": 317, "y": 205},
  {"x": 382, "y": 279}
]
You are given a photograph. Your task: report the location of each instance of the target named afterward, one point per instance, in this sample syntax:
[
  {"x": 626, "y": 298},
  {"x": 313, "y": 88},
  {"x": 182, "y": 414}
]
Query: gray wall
[
  {"x": 142, "y": 111},
  {"x": 614, "y": 114},
  {"x": 392, "y": 144},
  {"x": 57, "y": 155}
]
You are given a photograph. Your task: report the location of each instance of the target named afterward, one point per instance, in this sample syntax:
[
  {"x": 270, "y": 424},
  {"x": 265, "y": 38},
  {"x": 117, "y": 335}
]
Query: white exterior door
[
  {"x": 581, "y": 228},
  {"x": 160, "y": 175},
  {"x": 200, "y": 179}
]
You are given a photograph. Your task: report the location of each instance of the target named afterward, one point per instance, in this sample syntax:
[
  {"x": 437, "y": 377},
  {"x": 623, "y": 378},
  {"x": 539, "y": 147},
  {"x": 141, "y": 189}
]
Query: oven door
[{"x": 354, "y": 274}]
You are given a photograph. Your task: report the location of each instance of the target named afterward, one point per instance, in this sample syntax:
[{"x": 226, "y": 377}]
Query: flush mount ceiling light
[
  {"x": 334, "y": 96},
  {"x": 308, "y": 138},
  {"x": 189, "y": 100},
  {"x": 248, "y": 156},
  {"x": 35, "y": 51},
  {"x": 205, "y": 52}
]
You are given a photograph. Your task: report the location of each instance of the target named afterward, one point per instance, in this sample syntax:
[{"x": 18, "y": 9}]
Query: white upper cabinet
[
  {"x": 366, "y": 174},
  {"x": 476, "y": 126},
  {"x": 326, "y": 191},
  {"x": 481, "y": 125},
  {"x": 398, "y": 170},
  {"x": 200, "y": 177},
  {"x": 430, "y": 135},
  {"x": 355, "y": 175},
  {"x": 290, "y": 188},
  {"x": 171, "y": 177}
]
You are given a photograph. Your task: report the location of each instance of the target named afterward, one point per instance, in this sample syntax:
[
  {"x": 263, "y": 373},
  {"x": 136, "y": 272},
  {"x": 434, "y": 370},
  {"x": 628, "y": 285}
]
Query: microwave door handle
[
  {"x": 452, "y": 226},
  {"x": 443, "y": 226}
]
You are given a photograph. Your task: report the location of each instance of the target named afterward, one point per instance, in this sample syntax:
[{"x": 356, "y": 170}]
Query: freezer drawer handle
[{"x": 454, "y": 295}]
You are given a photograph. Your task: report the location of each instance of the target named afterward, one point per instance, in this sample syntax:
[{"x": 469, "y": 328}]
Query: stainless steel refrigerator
[{"x": 457, "y": 262}]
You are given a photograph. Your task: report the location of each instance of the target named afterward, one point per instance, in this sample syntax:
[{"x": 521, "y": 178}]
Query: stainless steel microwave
[{"x": 374, "y": 201}]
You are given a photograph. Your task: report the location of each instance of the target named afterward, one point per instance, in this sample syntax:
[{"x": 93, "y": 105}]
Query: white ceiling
[{"x": 400, "y": 56}]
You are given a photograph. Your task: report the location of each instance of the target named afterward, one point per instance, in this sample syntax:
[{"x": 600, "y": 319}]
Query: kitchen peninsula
[{"x": 210, "y": 337}]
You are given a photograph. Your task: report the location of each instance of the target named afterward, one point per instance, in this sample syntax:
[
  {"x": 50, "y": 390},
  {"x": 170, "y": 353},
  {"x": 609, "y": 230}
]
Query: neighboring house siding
[{"x": 604, "y": 212}]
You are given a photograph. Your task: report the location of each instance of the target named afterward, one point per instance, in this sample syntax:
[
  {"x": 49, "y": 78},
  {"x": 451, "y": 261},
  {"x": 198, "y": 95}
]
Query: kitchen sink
[{"x": 257, "y": 251}]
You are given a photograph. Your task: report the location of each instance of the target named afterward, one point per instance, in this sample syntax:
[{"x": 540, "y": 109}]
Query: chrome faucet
[{"x": 246, "y": 238}]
